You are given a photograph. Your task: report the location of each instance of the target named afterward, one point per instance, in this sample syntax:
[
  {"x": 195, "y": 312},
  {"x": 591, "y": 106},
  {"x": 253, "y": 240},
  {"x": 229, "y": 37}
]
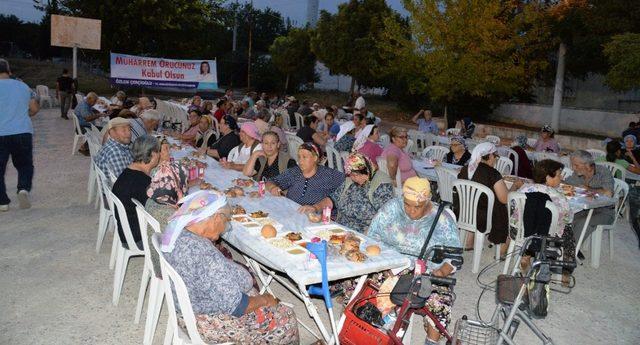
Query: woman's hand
[
  {"x": 276, "y": 191},
  {"x": 269, "y": 301},
  {"x": 517, "y": 184},
  {"x": 306, "y": 209}
]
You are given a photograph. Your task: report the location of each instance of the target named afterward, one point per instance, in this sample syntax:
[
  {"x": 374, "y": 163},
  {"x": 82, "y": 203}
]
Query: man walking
[
  {"x": 65, "y": 92},
  {"x": 17, "y": 104}
]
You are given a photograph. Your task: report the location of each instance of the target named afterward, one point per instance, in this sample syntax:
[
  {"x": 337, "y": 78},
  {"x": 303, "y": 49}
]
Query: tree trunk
[
  {"x": 559, "y": 88},
  {"x": 353, "y": 85},
  {"x": 286, "y": 84}
]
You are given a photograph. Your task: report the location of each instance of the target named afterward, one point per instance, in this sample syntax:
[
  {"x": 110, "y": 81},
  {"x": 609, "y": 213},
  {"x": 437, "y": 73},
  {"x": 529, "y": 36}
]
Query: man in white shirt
[{"x": 360, "y": 102}]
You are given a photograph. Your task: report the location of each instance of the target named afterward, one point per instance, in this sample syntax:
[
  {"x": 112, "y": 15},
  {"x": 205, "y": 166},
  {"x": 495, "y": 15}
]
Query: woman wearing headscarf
[
  {"x": 367, "y": 143},
  {"x": 250, "y": 142},
  {"x": 226, "y": 306},
  {"x": 467, "y": 127},
  {"x": 308, "y": 183},
  {"x": 458, "y": 152},
  {"x": 206, "y": 136},
  {"x": 631, "y": 149},
  {"x": 631, "y": 154},
  {"x": 404, "y": 223},
  {"x": 346, "y": 137},
  {"x": 614, "y": 155},
  {"x": 481, "y": 170},
  {"x": 524, "y": 164},
  {"x": 360, "y": 196},
  {"x": 547, "y": 142},
  {"x": 398, "y": 161}
]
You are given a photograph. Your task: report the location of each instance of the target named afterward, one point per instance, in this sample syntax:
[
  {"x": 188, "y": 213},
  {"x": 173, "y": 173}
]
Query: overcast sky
[{"x": 294, "y": 9}]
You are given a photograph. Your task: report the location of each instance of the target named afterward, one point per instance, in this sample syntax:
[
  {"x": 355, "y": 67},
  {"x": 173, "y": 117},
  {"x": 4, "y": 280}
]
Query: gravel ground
[{"x": 56, "y": 290}]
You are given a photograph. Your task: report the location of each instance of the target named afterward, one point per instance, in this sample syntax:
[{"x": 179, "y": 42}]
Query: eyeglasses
[{"x": 402, "y": 137}]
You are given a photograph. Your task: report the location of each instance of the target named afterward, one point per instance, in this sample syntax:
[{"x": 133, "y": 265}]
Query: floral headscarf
[
  {"x": 362, "y": 137},
  {"x": 168, "y": 184},
  {"x": 548, "y": 129},
  {"x": 359, "y": 163},
  {"x": 416, "y": 189},
  {"x": 479, "y": 151},
  {"x": 195, "y": 208},
  {"x": 521, "y": 140},
  {"x": 345, "y": 128},
  {"x": 460, "y": 139}
]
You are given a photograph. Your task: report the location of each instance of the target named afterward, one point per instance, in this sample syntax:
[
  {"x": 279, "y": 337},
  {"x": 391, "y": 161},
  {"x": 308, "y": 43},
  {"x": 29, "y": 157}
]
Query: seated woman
[
  {"x": 249, "y": 143},
  {"x": 307, "y": 183},
  {"x": 189, "y": 136},
  {"x": 367, "y": 143},
  {"x": 222, "y": 109},
  {"x": 467, "y": 127},
  {"x": 133, "y": 183},
  {"x": 398, "y": 161},
  {"x": 632, "y": 152},
  {"x": 458, "y": 153},
  {"x": 226, "y": 306},
  {"x": 269, "y": 162},
  {"x": 524, "y": 164},
  {"x": 308, "y": 132},
  {"x": 547, "y": 143},
  {"x": 481, "y": 169},
  {"x": 205, "y": 137},
  {"x": 360, "y": 197},
  {"x": 346, "y": 137},
  {"x": 404, "y": 223},
  {"x": 207, "y": 108},
  {"x": 631, "y": 148},
  {"x": 276, "y": 127},
  {"x": 614, "y": 155}
]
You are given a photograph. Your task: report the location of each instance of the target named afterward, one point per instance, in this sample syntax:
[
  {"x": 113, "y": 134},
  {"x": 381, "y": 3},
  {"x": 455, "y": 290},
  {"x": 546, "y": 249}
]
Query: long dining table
[{"x": 296, "y": 272}]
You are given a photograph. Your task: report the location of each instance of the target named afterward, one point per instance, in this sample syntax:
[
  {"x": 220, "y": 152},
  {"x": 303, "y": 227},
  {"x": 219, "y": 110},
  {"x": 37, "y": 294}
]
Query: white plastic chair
[
  {"x": 122, "y": 254},
  {"x": 299, "y": 120},
  {"x": 435, "y": 152},
  {"x": 453, "y": 131},
  {"x": 286, "y": 120},
  {"x": 469, "y": 194},
  {"x": 446, "y": 177},
  {"x": 334, "y": 159},
  {"x": 494, "y": 139},
  {"x": 410, "y": 147},
  {"x": 293, "y": 142},
  {"x": 79, "y": 98},
  {"x": 504, "y": 165},
  {"x": 78, "y": 138},
  {"x": 616, "y": 169},
  {"x": 531, "y": 142},
  {"x": 106, "y": 215},
  {"x": 382, "y": 166},
  {"x": 595, "y": 153},
  {"x": 149, "y": 275},
  {"x": 620, "y": 191},
  {"x": 384, "y": 140},
  {"x": 45, "y": 97},
  {"x": 233, "y": 154},
  {"x": 508, "y": 152},
  {"x": 172, "y": 278}
]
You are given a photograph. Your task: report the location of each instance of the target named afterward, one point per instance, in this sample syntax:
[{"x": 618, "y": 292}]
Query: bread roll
[
  {"x": 373, "y": 250},
  {"x": 268, "y": 231}
]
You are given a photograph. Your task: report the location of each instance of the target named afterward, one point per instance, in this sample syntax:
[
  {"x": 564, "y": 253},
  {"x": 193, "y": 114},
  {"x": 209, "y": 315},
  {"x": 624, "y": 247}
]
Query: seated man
[
  {"x": 594, "y": 178},
  {"x": 85, "y": 112},
  {"x": 145, "y": 124},
  {"x": 228, "y": 139},
  {"x": 308, "y": 132},
  {"x": 143, "y": 104},
  {"x": 404, "y": 223},
  {"x": 115, "y": 154}
]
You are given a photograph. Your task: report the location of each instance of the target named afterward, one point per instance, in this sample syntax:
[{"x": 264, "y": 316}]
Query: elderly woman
[
  {"x": 308, "y": 183},
  {"x": 467, "y": 127},
  {"x": 631, "y": 149},
  {"x": 360, "y": 197},
  {"x": 205, "y": 136},
  {"x": 547, "y": 142},
  {"x": 367, "y": 143},
  {"x": 524, "y": 164},
  {"x": 249, "y": 143},
  {"x": 226, "y": 306},
  {"x": 189, "y": 136},
  {"x": 398, "y": 161},
  {"x": 346, "y": 137},
  {"x": 133, "y": 183},
  {"x": 458, "y": 152},
  {"x": 481, "y": 170},
  {"x": 404, "y": 223},
  {"x": 269, "y": 162}
]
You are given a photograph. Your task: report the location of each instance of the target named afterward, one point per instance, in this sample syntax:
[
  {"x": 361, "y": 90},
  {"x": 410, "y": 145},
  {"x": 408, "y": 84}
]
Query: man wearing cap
[
  {"x": 17, "y": 105},
  {"x": 115, "y": 154},
  {"x": 404, "y": 223},
  {"x": 250, "y": 141},
  {"x": 228, "y": 139}
]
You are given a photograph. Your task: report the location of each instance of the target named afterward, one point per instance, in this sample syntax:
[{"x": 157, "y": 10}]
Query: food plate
[
  {"x": 241, "y": 218},
  {"x": 259, "y": 214},
  {"x": 325, "y": 231},
  {"x": 281, "y": 243}
]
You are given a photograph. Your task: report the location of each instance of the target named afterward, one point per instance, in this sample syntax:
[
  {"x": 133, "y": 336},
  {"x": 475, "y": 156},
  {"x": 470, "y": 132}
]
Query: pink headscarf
[{"x": 251, "y": 130}]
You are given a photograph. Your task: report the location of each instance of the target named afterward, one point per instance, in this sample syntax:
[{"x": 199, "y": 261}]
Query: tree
[
  {"x": 345, "y": 42},
  {"x": 456, "y": 50},
  {"x": 623, "y": 52},
  {"x": 292, "y": 57}
]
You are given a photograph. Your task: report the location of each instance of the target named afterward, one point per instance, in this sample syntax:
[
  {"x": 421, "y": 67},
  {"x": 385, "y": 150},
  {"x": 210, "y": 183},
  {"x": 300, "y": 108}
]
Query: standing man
[
  {"x": 64, "y": 92},
  {"x": 17, "y": 104}
]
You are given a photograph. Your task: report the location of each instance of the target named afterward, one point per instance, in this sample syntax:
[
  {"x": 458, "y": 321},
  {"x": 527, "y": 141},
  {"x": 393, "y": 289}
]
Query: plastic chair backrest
[
  {"x": 595, "y": 153},
  {"x": 76, "y": 123},
  {"x": 435, "y": 152},
  {"x": 555, "y": 214},
  {"x": 616, "y": 169},
  {"x": 42, "y": 90},
  {"x": 469, "y": 194},
  {"x": 384, "y": 140},
  {"x": 123, "y": 220},
  {"x": 293, "y": 142},
  {"x": 531, "y": 142},
  {"x": 410, "y": 147},
  {"x": 233, "y": 154},
  {"x": 494, "y": 139},
  {"x": 382, "y": 166},
  {"x": 181, "y": 294},
  {"x": 620, "y": 191},
  {"x": 286, "y": 120},
  {"x": 453, "y": 131},
  {"x": 299, "y": 120},
  {"x": 334, "y": 159},
  {"x": 516, "y": 202},
  {"x": 504, "y": 165},
  {"x": 216, "y": 126},
  {"x": 508, "y": 152},
  {"x": 446, "y": 177},
  {"x": 79, "y": 98},
  {"x": 144, "y": 220}
]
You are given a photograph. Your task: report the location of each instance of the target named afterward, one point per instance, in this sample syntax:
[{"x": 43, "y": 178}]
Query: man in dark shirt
[
  {"x": 633, "y": 130},
  {"x": 308, "y": 132},
  {"x": 64, "y": 92},
  {"x": 228, "y": 139},
  {"x": 304, "y": 109}
]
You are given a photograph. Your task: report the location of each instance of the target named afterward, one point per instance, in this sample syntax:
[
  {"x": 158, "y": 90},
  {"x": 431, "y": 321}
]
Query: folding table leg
[
  {"x": 255, "y": 267},
  {"x": 584, "y": 230},
  {"x": 313, "y": 311}
]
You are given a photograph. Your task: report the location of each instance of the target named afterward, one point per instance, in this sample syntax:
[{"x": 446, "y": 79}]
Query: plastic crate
[{"x": 356, "y": 331}]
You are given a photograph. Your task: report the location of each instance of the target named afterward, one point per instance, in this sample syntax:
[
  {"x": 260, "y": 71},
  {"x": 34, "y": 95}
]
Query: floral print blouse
[
  {"x": 565, "y": 215},
  {"x": 354, "y": 208}
]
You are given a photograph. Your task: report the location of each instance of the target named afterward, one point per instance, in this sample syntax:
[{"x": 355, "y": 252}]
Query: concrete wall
[
  {"x": 599, "y": 122},
  {"x": 339, "y": 82}
]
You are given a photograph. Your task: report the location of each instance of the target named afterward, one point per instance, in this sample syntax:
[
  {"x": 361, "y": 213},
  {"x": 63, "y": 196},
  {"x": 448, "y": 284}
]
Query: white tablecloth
[
  {"x": 428, "y": 171},
  {"x": 284, "y": 211}
]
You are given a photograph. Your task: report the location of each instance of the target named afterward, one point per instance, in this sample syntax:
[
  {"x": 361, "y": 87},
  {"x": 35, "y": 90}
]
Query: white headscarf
[
  {"x": 362, "y": 137},
  {"x": 195, "y": 208},
  {"x": 480, "y": 150},
  {"x": 345, "y": 128}
]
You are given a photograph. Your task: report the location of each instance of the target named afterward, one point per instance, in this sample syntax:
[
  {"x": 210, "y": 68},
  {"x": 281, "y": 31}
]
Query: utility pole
[
  {"x": 249, "y": 49},
  {"x": 235, "y": 29}
]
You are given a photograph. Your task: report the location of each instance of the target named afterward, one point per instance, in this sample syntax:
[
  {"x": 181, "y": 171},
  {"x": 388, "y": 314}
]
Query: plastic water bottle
[{"x": 326, "y": 215}]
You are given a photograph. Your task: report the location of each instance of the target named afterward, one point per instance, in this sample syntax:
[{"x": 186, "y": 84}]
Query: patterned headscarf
[
  {"x": 632, "y": 137},
  {"x": 548, "y": 129},
  {"x": 313, "y": 148},
  {"x": 459, "y": 139},
  {"x": 521, "y": 140},
  {"x": 359, "y": 163},
  {"x": 480, "y": 150},
  {"x": 416, "y": 189},
  {"x": 362, "y": 137},
  {"x": 250, "y": 129},
  {"x": 169, "y": 183},
  {"x": 195, "y": 208},
  {"x": 345, "y": 128}
]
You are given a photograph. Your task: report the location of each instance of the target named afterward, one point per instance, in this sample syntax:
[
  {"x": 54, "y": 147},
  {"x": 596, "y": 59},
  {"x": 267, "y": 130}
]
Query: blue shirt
[
  {"x": 82, "y": 110},
  {"x": 14, "y": 107},
  {"x": 114, "y": 157},
  {"x": 427, "y": 127}
]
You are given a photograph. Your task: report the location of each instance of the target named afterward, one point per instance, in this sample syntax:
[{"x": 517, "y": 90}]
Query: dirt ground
[{"x": 57, "y": 290}]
